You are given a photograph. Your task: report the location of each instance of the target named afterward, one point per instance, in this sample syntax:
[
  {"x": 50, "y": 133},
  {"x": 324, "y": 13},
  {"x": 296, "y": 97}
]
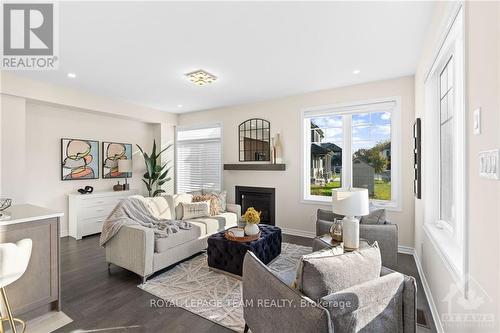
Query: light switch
[
  {"x": 489, "y": 164},
  {"x": 477, "y": 121}
]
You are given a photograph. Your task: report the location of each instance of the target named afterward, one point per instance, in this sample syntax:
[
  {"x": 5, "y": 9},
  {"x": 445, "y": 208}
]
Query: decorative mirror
[{"x": 255, "y": 140}]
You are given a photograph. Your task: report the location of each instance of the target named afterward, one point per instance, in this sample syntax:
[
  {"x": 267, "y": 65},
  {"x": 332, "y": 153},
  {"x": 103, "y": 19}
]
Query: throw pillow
[
  {"x": 221, "y": 196},
  {"x": 325, "y": 272},
  {"x": 214, "y": 202},
  {"x": 376, "y": 216},
  {"x": 195, "y": 209}
]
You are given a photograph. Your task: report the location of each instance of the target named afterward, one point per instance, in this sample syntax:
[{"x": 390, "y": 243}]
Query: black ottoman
[{"x": 228, "y": 256}]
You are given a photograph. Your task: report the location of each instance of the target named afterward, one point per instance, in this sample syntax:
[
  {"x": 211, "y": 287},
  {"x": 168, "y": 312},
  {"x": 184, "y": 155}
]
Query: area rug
[{"x": 212, "y": 295}]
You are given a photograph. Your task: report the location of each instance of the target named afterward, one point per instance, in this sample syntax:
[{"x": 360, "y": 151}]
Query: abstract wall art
[
  {"x": 79, "y": 159},
  {"x": 112, "y": 152}
]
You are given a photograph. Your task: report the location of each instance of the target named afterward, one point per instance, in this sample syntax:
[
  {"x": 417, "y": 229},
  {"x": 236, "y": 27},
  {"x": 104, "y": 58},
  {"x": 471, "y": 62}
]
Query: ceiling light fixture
[
  {"x": 71, "y": 75},
  {"x": 201, "y": 77},
  {"x": 179, "y": 105},
  {"x": 356, "y": 71}
]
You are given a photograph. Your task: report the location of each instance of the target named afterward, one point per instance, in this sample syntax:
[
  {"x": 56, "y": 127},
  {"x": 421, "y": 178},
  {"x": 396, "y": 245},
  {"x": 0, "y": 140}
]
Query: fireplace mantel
[{"x": 255, "y": 167}]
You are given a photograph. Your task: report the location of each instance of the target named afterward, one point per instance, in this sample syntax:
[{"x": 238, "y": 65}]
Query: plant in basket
[{"x": 252, "y": 218}]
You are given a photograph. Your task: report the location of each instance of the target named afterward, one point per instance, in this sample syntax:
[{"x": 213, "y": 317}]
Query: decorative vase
[
  {"x": 336, "y": 230},
  {"x": 251, "y": 229},
  {"x": 278, "y": 150}
]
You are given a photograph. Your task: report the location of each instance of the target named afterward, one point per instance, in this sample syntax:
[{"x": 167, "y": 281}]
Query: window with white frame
[
  {"x": 198, "y": 158},
  {"x": 354, "y": 145},
  {"x": 444, "y": 148}
]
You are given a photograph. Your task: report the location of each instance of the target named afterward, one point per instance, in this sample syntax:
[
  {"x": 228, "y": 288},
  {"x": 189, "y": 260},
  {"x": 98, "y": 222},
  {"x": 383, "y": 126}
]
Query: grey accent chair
[
  {"x": 385, "y": 304},
  {"x": 385, "y": 234}
]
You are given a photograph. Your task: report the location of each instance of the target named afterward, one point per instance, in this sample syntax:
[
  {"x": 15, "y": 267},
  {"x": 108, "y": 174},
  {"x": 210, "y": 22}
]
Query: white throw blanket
[{"x": 134, "y": 211}]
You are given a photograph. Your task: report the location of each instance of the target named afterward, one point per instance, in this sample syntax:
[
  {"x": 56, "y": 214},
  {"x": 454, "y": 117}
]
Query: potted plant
[
  {"x": 252, "y": 218},
  {"x": 156, "y": 174}
]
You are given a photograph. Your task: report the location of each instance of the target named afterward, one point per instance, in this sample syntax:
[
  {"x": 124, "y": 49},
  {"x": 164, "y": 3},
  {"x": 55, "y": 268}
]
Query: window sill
[
  {"x": 388, "y": 206},
  {"x": 448, "y": 249}
]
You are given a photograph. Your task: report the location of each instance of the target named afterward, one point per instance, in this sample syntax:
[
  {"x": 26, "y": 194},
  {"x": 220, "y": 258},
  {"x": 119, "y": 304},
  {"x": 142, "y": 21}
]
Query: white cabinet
[{"x": 87, "y": 212}]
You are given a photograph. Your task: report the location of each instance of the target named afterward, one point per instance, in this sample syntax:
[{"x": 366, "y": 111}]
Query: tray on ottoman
[{"x": 227, "y": 255}]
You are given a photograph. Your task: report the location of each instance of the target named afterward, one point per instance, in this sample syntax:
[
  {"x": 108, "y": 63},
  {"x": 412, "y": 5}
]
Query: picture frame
[
  {"x": 79, "y": 159},
  {"x": 112, "y": 152}
]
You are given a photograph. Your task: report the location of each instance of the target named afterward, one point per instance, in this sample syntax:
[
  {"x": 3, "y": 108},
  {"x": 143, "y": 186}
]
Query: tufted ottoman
[{"x": 228, "y": 256}]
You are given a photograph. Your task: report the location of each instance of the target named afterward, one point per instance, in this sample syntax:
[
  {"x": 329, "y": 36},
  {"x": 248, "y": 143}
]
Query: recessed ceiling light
[
  {"x": 201, "y": 77},
  {"x": 71, "y": 75},
  {"x": 179, "y": 105},
  {"x": 356, "y": 71}
]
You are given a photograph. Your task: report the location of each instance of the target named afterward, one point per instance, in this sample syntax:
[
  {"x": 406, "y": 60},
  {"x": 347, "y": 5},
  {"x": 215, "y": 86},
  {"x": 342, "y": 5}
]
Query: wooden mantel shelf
[{"x": 255, "y": 167}]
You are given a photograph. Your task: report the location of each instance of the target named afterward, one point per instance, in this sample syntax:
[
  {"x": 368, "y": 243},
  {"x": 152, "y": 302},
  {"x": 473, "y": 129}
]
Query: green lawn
[{"x": 382, "y": 189}]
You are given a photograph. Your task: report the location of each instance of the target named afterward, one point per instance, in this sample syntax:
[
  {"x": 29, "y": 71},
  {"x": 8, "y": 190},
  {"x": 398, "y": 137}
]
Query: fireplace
[{"x": 260, "y": 198}]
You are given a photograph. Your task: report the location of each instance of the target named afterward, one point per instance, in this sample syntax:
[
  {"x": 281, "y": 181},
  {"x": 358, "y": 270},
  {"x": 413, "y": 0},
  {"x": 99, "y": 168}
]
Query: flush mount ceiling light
[
  {"x": 201, "y": 77},
  {"x": 356, "y": 71},
  {"x": 71, "y": 75}
]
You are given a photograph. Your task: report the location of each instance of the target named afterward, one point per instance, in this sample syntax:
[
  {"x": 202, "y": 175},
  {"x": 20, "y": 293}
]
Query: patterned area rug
[{"x": 212, "y": 295}]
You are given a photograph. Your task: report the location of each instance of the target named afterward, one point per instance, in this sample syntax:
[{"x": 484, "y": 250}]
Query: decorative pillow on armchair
[
  {"x": 325, "y": 272},
  {"x": 376, "y": 216}
]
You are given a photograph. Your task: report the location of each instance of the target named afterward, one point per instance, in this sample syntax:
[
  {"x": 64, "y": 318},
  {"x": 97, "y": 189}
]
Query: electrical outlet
[{"x": 489, "y": 164}]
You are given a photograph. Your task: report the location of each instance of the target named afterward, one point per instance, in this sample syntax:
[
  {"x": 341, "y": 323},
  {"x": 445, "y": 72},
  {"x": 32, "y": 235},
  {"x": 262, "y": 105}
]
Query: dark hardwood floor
[{"x": 99, "y": 301}]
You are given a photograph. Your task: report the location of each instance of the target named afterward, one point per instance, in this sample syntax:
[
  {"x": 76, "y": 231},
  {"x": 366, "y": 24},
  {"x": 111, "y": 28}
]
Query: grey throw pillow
[
  {"x": 328, "y": 215},
  {"x": 325, "y": 272},
  {"x": 376, "y": 216}
]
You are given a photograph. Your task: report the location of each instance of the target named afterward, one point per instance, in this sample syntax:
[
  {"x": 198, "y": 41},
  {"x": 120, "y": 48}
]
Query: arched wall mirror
[{"x": 255, "y": 140}]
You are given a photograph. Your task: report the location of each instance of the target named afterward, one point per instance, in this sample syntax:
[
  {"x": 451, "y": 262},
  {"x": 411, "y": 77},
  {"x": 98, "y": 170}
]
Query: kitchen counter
[{"x": 38, "y": 291}]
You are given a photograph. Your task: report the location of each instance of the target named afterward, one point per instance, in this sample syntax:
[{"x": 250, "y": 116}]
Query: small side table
[{"x": 326, "y": 242}]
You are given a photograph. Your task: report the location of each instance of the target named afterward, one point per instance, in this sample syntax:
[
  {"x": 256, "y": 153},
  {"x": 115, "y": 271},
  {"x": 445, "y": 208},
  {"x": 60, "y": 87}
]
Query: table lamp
[
  {"x": 125, "y": 166},
  {"x": 350, "y": 202}
]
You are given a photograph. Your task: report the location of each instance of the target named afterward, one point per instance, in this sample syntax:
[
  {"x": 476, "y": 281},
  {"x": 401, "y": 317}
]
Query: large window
[
  {"x": 198, "y": 158},
  {"x": 444, "y": 151},
  {"x": 352, "y": 146}
]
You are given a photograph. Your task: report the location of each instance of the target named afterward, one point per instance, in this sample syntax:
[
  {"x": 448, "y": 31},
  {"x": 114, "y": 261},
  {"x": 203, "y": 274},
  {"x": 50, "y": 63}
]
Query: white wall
[
  {"x": 46, "y": 125},
  {"x": 482, "y": 42},
  {"x": 284, "y": 114},
  {"x": 36, "y": 115}
]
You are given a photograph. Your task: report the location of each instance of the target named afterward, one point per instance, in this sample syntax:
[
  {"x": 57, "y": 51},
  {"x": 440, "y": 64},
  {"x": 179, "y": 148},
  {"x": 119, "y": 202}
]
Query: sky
[{"x": 368, "y": 129}]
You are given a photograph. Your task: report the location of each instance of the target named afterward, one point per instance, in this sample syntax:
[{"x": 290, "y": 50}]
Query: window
[
  {"x": 352, "y": 146},
  {"x": 198, "y": 158},
  {"x": 444, "y": 152},
  {"x": 446, "y": 144}
]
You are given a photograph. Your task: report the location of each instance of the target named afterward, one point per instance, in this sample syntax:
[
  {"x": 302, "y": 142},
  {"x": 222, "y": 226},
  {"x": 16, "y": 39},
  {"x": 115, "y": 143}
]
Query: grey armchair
[
  {"x": 385, "y": 304},
  {"x": 385, "y": 234}
]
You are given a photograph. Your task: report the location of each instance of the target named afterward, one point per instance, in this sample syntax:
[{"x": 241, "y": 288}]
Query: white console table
[{"x": 87, "y": 212}]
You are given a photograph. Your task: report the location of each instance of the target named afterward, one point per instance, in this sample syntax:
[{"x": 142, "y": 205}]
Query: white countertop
[{"x": 28, "y": 213}]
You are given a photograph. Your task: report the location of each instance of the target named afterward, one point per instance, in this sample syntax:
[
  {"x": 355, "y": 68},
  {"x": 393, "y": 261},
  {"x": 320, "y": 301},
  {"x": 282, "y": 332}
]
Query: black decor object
[
  {"x": 254, "y": 140},
  {"x": 260, "y": 198},
  {"x": 228, "y": 256},
  {"x": 417, "y": 158},
  {"x": 86, "y": 190}
]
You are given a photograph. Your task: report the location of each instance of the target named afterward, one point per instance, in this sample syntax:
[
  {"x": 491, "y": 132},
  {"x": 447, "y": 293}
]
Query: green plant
[{"x": 156, "y": 174}]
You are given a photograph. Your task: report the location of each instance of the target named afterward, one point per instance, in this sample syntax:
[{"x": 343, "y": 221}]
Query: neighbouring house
[
  {"x": 363, "y": 175},
  {"x": 326, "y": 158}
]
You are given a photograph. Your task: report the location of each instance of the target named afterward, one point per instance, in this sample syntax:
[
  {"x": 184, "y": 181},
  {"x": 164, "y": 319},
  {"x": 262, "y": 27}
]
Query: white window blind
[{"x": 198, "y": 159}]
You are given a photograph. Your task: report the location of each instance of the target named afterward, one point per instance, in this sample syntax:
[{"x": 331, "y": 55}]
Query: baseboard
[
  {"x": 428, "y": 294},
  {"x": 406, "y": 249},
  {"x": 64, "y": 233},
  {"x": 298, "y": 232}
]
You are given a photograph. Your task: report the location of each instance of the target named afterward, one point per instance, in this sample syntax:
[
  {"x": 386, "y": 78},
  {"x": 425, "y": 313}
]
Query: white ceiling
[{"x": 138, "y": 52}]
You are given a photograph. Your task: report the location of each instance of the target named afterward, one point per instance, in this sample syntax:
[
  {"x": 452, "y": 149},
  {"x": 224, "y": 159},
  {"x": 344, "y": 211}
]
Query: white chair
[{"x": 14, "y": 259}]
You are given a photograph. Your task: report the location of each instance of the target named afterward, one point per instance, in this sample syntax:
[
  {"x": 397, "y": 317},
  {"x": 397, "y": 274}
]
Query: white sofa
[{"x": 135, "y": 248}]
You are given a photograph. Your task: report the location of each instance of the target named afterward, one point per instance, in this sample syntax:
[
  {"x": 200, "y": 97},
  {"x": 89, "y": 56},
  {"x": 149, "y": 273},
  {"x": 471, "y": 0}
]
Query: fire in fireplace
[{"x": 261, "y": 198}]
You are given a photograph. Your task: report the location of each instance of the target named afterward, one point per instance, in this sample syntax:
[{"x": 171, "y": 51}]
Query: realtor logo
[{"x": 29, "y": 36}]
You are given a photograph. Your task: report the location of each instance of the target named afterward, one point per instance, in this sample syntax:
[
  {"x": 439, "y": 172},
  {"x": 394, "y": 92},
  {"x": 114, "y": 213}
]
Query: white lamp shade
[
  {"x": 124, "y": 165},
  {"x": 350, "y": 202}
]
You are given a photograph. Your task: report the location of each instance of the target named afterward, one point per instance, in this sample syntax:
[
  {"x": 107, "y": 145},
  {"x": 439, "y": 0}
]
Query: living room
[{"x": 133, "y": 149}]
